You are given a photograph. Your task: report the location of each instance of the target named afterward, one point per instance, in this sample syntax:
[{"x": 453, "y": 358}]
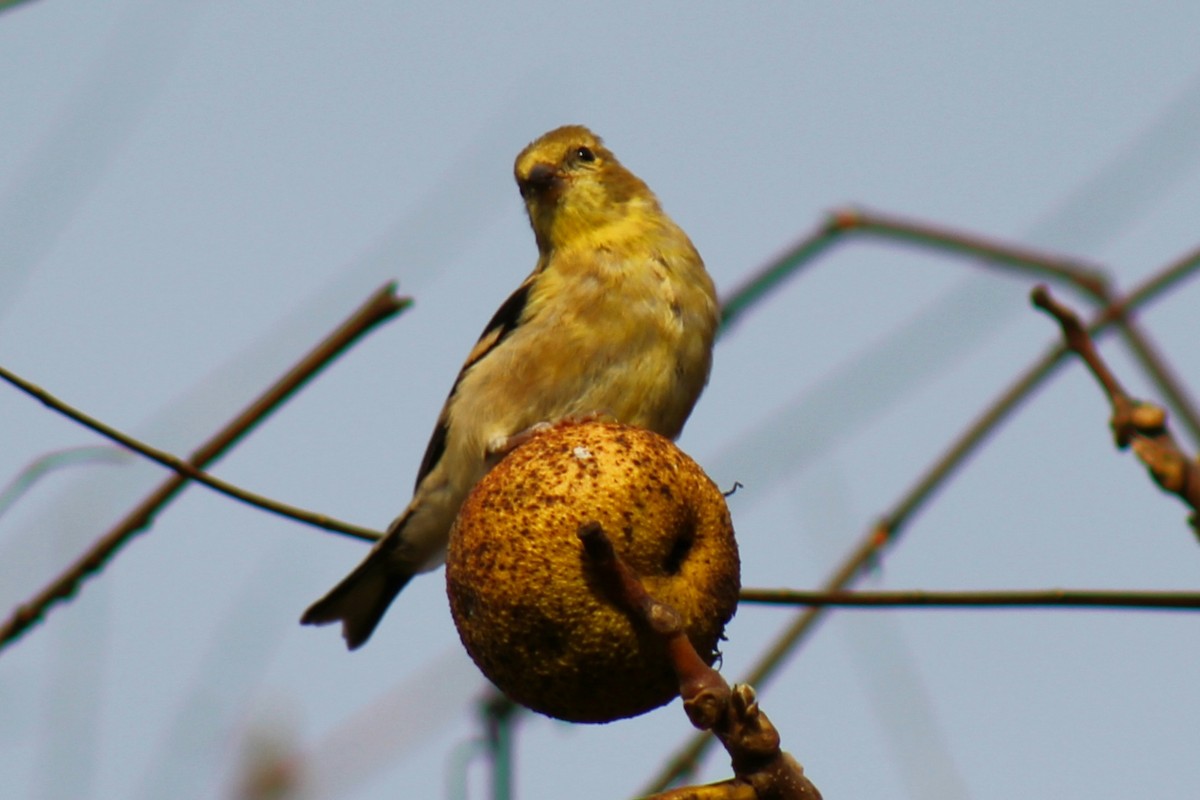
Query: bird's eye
[{"x": 584, "y": 154}]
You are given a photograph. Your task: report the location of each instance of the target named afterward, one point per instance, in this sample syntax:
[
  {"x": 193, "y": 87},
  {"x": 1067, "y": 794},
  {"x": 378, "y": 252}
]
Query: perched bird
[{"x": 617, "y": 319}]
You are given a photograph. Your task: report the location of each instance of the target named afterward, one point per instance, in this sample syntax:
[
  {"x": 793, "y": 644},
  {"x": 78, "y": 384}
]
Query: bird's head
[{"x": 574, "y": 186}]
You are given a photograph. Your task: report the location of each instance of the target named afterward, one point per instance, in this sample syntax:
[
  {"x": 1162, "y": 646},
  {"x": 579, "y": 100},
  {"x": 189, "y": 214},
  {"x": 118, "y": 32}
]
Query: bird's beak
[{"x": 541, "y": 180}]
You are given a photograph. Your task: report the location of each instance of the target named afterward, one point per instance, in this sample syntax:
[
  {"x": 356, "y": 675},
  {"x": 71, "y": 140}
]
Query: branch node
[
  {"x": 844, "y": 219},
  {"x": 1149, "y": 419},
  {"x": 1135, "y": 423}
]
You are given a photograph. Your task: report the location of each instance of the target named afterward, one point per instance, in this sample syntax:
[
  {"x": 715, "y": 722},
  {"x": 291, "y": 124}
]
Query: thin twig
[
  {"x": 383, "y": 304},
  {"x": 1024, "y": 386},
  {"x": 1135, "y": 423},
  {"x": 1078, "y": 340},
  {"x": 185, "y": 468},
  {"x": 869, "y": 547},
  {"x": 1155, "y": 366},
  {"x": 1161, "y": 375},
  {"x": 775, "y": 272},
  {"x": 1154, "y": 287},
  {"x": 1031, "y": 598},
  {"x": 840, "y": 223},
  {"x": 1089, "y": 278}
]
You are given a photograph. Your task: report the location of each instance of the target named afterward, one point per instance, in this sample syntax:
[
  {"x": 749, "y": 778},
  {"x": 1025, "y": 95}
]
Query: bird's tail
[{"x": 360, "y": 600}]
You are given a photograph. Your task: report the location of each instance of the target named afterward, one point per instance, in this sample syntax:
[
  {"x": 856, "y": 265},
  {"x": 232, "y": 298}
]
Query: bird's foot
[
  {"x": 501, "y": 446},
  {"x": 599, "y": 415}
]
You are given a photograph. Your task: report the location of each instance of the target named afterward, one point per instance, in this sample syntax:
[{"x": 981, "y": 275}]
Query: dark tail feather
[{"x": 360, "y": 600}]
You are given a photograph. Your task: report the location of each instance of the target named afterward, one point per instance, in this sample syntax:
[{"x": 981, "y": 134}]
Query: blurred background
[{"x": 192, "y": 194}]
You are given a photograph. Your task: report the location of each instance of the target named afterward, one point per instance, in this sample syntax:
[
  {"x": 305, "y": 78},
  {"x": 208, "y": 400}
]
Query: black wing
[{"x": 503, "y": 322}]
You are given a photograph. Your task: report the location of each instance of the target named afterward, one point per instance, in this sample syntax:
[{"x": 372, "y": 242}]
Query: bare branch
[
  {"x": 1135, "y": 423},
  {"x": 382, "y": 305},
  {"x": 871, "y": 545},
  {"x": 1089, "y": 278},
  {"x": 986, "y": 252},
  {"x": 186, "y": 468},
  {"x": 842, "y": 222},
  {"x": 1030, "y": 598}
]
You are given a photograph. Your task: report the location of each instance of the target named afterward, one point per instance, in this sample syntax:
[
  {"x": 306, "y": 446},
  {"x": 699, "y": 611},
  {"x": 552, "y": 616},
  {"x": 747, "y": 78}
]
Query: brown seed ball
[{"x": 526, "y": 600}]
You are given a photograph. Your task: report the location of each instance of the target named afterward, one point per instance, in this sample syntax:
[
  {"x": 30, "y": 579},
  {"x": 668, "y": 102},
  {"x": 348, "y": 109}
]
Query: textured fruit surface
[{"x": 528, "y": 605}]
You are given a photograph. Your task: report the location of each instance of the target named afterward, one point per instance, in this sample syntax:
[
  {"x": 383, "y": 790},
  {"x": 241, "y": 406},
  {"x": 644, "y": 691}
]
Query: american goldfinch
[{"x": 617, "y": 319}]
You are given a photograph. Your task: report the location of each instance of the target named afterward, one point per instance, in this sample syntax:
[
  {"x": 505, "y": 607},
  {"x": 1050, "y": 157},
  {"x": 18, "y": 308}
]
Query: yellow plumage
[{"x": 618, "y": 318}]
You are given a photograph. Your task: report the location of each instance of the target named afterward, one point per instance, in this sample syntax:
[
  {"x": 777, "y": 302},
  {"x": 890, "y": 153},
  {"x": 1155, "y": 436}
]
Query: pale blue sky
[{"x": 193, "y": 193}]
